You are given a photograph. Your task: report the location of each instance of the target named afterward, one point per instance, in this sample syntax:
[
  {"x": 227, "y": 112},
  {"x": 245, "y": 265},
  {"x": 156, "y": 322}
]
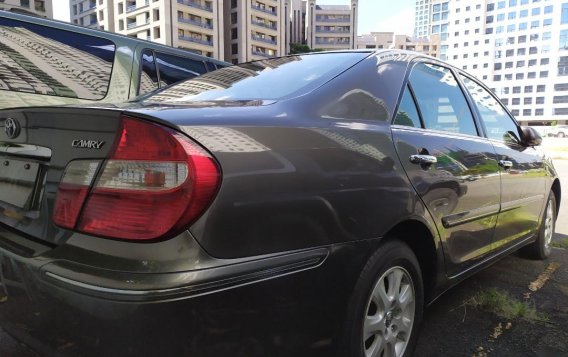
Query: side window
[
  {"x": 498, "y": 123},
  {"x": 440, "y": 99},
  {"x": 173, "y": 69},
  {"x": 148, "y": 75},
  {"x": 210, "y": 66},
  {"x": 407, "y": 114}
]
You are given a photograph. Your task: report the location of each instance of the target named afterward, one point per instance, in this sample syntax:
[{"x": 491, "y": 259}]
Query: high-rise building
[
  {"x": 43, "y": 8},
  {"x": 517, "y": 47},
  {"x": 256, "y": 29},
  {"x": 196, "y": 25},
  {"x": 390, "y": 40},
  {"x": 331, "y": 27},
  {"x": 298, "y": 9},
  {"x": 93, "y": 13}
]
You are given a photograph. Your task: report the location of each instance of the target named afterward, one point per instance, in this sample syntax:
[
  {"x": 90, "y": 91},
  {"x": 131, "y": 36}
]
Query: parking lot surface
[{"x": 455, "y": 326}]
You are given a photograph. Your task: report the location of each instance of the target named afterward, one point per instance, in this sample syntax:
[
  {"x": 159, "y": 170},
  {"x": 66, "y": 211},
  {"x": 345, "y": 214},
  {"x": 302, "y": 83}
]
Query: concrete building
[
  {"x": 196, "y": 25},
  {"x": 389, "y": 40},
  {"x": 256, "y": 29},
  {"x": 298, "y": 9},
  {"x": 97, "y": 14},
  {"x": 43, "y": 8},
  {"x": 331, "y": 27}
]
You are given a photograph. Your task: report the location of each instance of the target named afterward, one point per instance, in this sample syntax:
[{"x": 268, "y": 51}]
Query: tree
[{"x": 297, "y": 48}]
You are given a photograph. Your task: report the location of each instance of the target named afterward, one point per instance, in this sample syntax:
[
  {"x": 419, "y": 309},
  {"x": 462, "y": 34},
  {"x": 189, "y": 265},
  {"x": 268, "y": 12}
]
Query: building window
[
  {"x": 564, "y": 15},
  {"x": 539, "y": 112},
  {"x": 563, "y": 40},
  {"x": 520, "y": 64},
  {"x": 527, "y": 101},
  {"x": 497, "y": 78},
  {"x": 522, "y": 39},
  {"x": 519, "y": 76},
  {"x": 528, "y": 89},
  {"x": 539, "y": 100},
  {"x": 543, "y": 74},
  {"x": 540, "y": 88},
  {"x": 515, "y": 112},
  {"x": 516, "y": 90},
  {"x": 516, "y": 101},
  {"x": 527, "y": 112},
  {"x": 560, "y": 99},
  {"x": 561, "y": 87},
  {"x": 509, "y": 65},
  {"x": 563, "y": 66}
]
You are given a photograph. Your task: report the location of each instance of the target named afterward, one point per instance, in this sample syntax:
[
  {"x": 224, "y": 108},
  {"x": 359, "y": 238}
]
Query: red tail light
[{"x": 155, "y": 183}]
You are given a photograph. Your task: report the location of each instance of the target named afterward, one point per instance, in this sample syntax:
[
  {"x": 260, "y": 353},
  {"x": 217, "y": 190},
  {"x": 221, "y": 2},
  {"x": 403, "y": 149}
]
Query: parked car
[
  {"x": 309, "y": 205},
  {"x": 559, "y": 131},
  {"x": 46, "y": 62}
]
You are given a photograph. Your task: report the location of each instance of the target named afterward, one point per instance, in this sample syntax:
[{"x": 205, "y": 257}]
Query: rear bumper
[{"x": 271, "y": 305}]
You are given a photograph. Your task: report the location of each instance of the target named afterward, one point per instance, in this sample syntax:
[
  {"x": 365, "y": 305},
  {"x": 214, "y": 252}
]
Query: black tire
[
  {"x": 393, "y": 256},
  {"x": 541, "y": 249},
  {"x": 561, "y": 134}
]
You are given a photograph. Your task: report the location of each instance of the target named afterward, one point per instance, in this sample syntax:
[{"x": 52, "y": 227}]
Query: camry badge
[
  {"x": 87, "y": 144},
  {"x": 11, "y": 128}
]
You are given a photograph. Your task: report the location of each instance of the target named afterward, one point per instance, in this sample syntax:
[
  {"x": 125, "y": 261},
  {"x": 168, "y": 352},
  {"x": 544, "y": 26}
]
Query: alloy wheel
[
  {"x": 389, "y": 315},
  {"x": 548, "y": 225}
]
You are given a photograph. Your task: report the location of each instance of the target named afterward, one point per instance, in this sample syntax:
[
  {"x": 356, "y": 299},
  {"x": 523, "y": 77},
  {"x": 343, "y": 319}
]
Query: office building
[
  {"x": 43, "y": 8},
  {"x": 519, "y": 48}
]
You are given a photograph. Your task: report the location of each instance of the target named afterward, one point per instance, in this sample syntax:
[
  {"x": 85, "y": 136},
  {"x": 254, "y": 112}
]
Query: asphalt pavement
[{"x": 452, "y": 327}]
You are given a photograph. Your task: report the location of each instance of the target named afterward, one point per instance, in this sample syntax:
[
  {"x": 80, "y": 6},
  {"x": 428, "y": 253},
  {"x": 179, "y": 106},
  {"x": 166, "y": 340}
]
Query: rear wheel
[
  {"x": 540, "y": 249},
  {"x": 561, "y": 134},
  {"x": 387, "y": 304}
]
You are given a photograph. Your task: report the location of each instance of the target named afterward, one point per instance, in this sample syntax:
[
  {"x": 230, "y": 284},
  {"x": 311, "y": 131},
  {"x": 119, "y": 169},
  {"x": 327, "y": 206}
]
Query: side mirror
[{"x": 530, "y": 137}]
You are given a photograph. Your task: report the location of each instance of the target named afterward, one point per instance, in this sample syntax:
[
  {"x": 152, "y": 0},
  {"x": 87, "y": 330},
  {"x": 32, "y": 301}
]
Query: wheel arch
[{"x": 423, "y": 242}]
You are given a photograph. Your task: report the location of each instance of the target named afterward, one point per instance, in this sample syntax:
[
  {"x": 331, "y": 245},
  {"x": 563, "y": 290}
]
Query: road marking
[{"x": 543, "y": 277}]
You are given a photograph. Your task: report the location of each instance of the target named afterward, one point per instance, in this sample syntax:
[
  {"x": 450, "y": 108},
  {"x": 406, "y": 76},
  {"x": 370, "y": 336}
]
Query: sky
[
  {"x": 382, "y": 15},
  {"x": 61, "y": 10},
  {"x": 374, "y": 15}
]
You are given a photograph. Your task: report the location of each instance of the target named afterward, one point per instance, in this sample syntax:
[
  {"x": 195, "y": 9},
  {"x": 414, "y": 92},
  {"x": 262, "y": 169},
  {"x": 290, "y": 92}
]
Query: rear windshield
[
  {"x": 265, "y": 80},
  {"x": 44, "y": 60}
]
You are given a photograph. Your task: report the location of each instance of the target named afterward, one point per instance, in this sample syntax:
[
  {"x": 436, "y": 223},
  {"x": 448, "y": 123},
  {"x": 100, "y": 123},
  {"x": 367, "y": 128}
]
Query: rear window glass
[
  {"x": 267, "y": 79},
  {"x": 173, "y": 69},
  {"x": 43, "y": 60}
]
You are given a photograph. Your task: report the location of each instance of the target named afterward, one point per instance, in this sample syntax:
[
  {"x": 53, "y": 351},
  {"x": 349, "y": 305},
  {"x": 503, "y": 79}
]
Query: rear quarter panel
[{"x": 304, "y": 172}]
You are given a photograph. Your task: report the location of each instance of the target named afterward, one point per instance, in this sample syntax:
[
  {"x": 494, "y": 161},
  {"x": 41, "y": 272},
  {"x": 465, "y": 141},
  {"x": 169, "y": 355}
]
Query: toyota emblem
[{"x": 12, "y": 128}]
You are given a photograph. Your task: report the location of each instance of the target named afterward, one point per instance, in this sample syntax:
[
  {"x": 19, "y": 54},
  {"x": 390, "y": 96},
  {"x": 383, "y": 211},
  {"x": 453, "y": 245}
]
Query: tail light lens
[{"x": 155, "y": 183}]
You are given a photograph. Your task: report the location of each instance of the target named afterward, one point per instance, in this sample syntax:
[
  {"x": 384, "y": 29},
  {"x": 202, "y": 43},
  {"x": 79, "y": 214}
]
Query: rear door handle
[
  {"x": 423, "y": 159},
  {"x": 506, "y": 164}
]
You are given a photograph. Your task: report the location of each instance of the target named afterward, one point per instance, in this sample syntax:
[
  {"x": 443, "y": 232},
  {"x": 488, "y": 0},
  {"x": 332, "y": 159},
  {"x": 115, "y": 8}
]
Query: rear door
[
  {"x": 453, "y": 169},
  {"x": 521, "y": 169}
]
